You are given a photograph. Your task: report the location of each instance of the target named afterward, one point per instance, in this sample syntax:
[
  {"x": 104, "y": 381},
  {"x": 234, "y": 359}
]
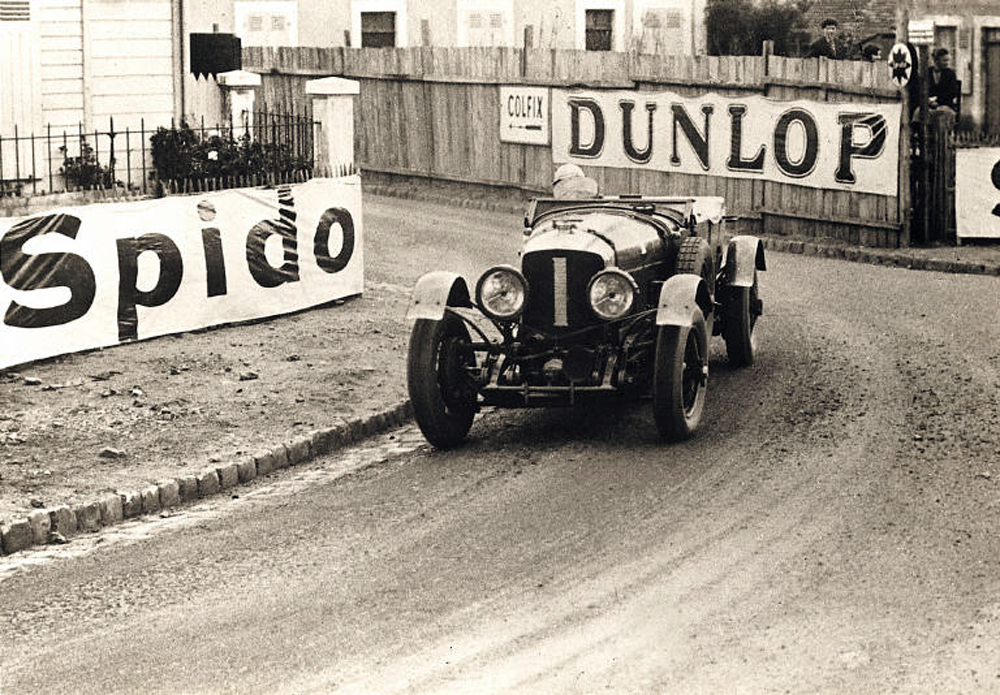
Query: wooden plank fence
[{"x": 433, "y": 112}]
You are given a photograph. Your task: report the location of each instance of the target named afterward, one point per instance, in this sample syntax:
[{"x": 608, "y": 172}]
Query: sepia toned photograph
[{"x": 481, "y": 347}]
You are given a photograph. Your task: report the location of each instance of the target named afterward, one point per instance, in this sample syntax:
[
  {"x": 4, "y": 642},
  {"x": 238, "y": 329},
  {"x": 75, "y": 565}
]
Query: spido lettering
[{"x": 29, "y": 272}]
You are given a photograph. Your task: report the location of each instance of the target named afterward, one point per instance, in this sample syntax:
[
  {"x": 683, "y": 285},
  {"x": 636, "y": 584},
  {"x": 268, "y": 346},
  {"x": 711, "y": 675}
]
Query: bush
[
  {"x": 84, "y": 171},
  {"x": 181, "y": 154}
]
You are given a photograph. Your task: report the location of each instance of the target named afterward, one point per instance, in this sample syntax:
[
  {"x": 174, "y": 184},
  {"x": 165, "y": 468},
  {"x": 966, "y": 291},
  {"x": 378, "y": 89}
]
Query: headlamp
[
  {"x": 611, "y": 293},
  {"x": 501, "y": 292}
]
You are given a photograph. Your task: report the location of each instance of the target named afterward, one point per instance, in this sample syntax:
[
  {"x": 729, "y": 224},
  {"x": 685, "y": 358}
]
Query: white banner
[
  {"x": 977, "y": 198},
  {"x": 91, "y": 276},
  {"x": 842, "y": 146}
]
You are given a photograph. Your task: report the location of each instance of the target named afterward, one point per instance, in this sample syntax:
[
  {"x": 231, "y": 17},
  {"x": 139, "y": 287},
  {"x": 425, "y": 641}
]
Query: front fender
[
  {"x": 434, "y": 291},
  {"x": 680, "y": 297},
  {"x": 744, "y": 255}
]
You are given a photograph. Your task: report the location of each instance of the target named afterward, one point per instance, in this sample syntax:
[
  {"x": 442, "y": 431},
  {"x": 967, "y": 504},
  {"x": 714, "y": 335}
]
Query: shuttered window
[
  {"x": 15, "y": 10},
  {"x": 599, "y": 28},
  {"x": 378, "y": 29}
]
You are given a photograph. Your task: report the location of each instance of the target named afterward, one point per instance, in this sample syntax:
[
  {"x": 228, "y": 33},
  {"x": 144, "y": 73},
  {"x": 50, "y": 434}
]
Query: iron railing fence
[
  {"x": 269, "y": 148},
  {"x": 976, "y": 138}
]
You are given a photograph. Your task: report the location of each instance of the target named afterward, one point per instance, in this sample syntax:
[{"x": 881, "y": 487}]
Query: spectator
[
  {"x": 827, "y": 46},
  {"x": 943, "y": 87},
  {"x": 570, "y": 182},
  {"x": 871, "y": 53}
]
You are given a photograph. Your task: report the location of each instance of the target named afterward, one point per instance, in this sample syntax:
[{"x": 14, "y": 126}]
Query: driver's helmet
[
  {"x": 567, "y": 171},
  {"x": 570, "y": 182}
]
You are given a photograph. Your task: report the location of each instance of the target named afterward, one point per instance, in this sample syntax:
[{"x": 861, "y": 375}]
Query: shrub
[
  {"x": 182, "y": 154},
  {"x": 84, "y": 171}
]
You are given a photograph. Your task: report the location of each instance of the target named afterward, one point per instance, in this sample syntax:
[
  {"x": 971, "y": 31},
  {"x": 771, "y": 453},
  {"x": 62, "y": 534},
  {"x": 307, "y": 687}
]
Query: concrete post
[
  {"x": 239, "y": 89},
  {"x": 333, "y": 107}
]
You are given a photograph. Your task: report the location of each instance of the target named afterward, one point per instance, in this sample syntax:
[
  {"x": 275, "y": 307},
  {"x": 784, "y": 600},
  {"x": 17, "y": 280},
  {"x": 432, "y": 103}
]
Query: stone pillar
[
  {"x": 333, "y": 108},
  {"x": 239, "y": 89}
]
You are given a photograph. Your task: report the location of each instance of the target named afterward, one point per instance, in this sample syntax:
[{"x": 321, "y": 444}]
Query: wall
[{"x": 433, "y": 112}]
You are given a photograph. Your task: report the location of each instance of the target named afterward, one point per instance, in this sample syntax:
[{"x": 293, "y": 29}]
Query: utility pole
[{"x": 904, "y": 186}]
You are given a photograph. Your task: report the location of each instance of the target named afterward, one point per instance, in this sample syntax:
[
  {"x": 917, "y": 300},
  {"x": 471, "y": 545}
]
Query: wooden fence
[{"x": 433, "y": 112}]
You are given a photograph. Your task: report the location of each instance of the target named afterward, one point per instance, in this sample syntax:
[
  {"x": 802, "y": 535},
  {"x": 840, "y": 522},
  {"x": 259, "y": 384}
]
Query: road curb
[
  {"x": 901, "y": 258},
  {"x": 61, "y": 522}
]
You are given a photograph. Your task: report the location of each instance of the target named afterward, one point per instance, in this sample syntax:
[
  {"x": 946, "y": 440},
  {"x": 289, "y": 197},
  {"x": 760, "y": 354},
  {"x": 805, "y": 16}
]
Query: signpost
[{"x": 524, "y": 115}]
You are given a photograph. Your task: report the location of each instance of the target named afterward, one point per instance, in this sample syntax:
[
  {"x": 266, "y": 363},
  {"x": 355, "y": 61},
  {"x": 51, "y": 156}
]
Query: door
[
  {"x": 20, "y": 100},
  {"x": 991, "y": 78}
]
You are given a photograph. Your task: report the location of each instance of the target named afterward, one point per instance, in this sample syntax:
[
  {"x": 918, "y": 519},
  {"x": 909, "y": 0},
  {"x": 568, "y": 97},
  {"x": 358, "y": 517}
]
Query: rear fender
[
  {"x": 744, "y": 255},
  {"x": 435, "y": 291},
  {"x": 682, "y": 298}
]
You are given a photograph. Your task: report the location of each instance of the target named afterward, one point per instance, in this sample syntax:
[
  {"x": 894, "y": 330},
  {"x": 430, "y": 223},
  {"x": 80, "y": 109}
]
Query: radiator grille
[{"x": 558, "y": 280}]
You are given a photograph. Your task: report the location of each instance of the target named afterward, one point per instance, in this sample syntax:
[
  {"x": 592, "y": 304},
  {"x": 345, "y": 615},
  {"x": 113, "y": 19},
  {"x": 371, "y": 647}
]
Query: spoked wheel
[
  {"x": 441, "y": 389},
  {"x": 680, "y": 379},
  {"x": 743, "y": 306}
]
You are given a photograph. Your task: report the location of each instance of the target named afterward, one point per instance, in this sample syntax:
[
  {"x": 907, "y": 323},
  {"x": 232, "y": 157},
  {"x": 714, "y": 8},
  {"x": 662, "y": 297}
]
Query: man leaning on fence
[
  {"x": 943, "y": 87},
  {"x": 828, "y": 45}
]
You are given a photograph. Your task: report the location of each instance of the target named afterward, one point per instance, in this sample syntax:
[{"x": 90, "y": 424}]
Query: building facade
[{"x": 663, "y": 26}]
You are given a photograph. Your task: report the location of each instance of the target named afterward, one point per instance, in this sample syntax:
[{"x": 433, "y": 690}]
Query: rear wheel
[
  {"x": 680, "y": 379},
  {"x": 742, "y": 310},
  {"x": 441, "y": 390}
]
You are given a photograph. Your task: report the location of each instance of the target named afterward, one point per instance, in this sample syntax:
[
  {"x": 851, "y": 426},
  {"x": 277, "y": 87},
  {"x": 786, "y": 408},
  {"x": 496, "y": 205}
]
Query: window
[
  {"x": 15, "y": 10},
  {"x": 599, "y": 30},
  {"x": 267, "y": 22},
  {"x": 378, "y": 29},
  {"x": 485, "y": 23}
]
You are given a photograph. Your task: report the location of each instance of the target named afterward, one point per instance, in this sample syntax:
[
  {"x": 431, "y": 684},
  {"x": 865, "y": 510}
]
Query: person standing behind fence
[
  {"x": 943, "y": 87},
  {"x": 828, "y": 45}
]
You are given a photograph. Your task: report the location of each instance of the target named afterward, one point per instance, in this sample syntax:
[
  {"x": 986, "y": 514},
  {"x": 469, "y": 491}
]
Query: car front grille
[{"x": 558, "y": 279}]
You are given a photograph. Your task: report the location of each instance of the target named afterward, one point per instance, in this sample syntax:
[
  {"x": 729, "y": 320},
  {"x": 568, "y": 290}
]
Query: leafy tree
[{"x": 740, "y": 27}]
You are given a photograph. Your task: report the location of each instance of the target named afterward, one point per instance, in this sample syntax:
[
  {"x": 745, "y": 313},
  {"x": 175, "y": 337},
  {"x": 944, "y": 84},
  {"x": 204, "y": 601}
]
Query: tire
[
  {"x": 741, "y": 312},
  {"x": 680, "y": 379},
  {"x": 441, "y": 391},
  {"x": 695, "y": 257}
]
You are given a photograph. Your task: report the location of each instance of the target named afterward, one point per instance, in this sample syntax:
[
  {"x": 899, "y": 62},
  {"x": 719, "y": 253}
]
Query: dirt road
[{"x": 831, "y": 529}]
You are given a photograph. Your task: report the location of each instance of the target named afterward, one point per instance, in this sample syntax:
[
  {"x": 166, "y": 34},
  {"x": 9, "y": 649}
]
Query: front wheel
[
  {"x": 741, "y": 312},
  {"x": 441, "y": 389},
  {"x": 680, "y": 379}
]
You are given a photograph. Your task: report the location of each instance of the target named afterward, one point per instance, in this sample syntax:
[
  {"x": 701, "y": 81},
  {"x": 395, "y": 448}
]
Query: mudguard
[
  {"x": 434, "y": 291},
  {"x": 680, "y": 296},
  {"x": 744, "y": 254}
]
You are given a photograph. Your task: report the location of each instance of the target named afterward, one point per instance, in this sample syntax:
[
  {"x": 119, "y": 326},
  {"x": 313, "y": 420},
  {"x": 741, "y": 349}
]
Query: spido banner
[
  {"x": 92, "y": 276},
  {"x": 843, "y": 146}
]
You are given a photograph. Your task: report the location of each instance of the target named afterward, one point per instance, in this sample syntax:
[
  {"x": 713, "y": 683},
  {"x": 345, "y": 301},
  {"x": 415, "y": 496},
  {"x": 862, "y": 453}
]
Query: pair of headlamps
[{"x": 502, "y": 292}]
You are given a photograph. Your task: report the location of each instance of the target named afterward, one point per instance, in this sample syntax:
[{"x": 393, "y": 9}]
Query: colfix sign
[
  {"x": 93, "y": 276},
  {"x": 842, "y": 146}
]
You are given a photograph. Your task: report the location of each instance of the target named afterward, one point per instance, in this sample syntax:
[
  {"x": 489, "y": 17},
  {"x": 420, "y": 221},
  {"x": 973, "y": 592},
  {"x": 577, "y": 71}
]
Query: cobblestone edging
[
  {"x": 902, "y": 258},
  {"x": 892, "y": 257},
  {"x": 60, "y": 523}
]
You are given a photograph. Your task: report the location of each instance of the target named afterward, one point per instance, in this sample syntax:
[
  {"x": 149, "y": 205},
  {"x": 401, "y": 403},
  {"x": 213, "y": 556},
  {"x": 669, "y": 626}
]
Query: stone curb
[
  {"x": 857, "y": 254},
  {"x": 62, "y": 522}
]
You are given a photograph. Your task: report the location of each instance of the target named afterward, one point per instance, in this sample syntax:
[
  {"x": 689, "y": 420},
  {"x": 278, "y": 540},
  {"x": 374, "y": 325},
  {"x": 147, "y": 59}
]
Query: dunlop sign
[
  {"x": 524, "y": 115},
  {"x": 852, "y": 147}
]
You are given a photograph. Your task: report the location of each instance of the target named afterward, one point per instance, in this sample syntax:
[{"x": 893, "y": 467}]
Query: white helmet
[{"x": 567, "y": 171}]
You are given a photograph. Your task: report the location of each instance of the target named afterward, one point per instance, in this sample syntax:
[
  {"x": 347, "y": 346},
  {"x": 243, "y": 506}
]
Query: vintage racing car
[{"x": 613, "y": 295}]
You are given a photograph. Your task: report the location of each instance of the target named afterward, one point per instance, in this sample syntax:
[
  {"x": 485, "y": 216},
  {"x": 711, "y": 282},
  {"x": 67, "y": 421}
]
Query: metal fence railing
[
  {"x": 976, "y": 138},
  {"x": 150, "y": 160}
]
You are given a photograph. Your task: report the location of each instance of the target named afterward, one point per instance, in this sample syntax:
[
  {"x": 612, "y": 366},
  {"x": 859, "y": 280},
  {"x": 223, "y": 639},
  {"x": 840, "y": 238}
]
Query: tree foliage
[{"x": 740, "y": 27}]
